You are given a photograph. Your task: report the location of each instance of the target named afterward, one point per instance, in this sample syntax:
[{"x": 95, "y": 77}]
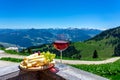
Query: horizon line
[{"x": 57, "y": 28}]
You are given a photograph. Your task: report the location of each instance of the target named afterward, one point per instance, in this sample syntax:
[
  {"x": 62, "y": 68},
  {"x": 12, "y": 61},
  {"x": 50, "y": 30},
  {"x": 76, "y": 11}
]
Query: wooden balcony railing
[{"x": 65, "y": 73}]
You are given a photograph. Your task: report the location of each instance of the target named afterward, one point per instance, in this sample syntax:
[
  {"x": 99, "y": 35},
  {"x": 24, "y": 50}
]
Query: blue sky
[{"x": 101, "y": 14}]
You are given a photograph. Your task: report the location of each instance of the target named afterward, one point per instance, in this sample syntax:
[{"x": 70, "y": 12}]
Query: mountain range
[
  {"x": 33, "y": 37},
  {"x": 105, "y": 43}
]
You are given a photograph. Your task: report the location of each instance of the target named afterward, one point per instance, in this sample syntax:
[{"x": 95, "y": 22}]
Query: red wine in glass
[{"x": 61, "y": 45}]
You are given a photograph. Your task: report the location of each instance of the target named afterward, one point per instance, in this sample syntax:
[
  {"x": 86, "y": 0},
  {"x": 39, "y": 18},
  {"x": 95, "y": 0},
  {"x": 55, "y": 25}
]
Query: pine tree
[{"x": 95, "y": 54}]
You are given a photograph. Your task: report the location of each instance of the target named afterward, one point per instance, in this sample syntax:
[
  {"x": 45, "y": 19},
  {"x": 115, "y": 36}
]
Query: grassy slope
[
  {"x": 87, "y": 48},
  {"x": 110, "y": 70}
]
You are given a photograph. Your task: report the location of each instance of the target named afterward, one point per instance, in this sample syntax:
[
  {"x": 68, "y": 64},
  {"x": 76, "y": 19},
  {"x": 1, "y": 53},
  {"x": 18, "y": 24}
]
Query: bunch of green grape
[{"x": 49, "y": 56}]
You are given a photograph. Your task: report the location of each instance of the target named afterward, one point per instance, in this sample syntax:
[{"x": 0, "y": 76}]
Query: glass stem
[{"x": 60, "y": 56}]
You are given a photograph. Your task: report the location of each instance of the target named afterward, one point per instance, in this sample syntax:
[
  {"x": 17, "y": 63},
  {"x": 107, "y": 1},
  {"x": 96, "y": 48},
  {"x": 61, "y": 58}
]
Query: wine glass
[{"x": 61, "y": 43}]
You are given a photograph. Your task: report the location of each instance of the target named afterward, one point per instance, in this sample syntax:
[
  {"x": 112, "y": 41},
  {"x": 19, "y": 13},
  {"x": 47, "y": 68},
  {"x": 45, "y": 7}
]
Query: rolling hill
[{"x": 107, "y": 44}]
